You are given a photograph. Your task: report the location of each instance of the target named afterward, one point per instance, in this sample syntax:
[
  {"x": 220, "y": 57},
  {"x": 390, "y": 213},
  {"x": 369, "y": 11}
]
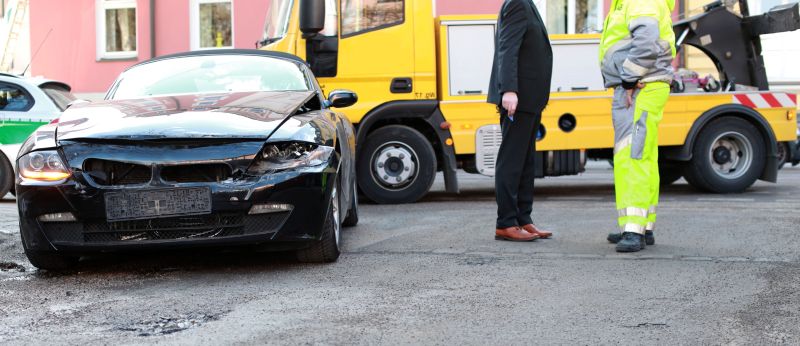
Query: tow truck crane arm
[{"x": 733, "y": 41}]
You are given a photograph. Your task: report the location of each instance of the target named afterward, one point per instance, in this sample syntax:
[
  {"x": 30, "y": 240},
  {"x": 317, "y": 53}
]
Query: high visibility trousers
[{"x": 636, "y": 179}]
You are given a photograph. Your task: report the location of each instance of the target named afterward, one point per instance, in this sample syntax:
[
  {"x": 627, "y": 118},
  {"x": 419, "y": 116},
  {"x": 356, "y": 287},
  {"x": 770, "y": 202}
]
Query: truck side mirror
[{"x": 312, "y": 17}]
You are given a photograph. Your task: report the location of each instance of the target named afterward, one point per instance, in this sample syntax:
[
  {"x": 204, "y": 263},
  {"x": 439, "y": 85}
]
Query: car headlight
[
  {"x": 42, "y": 166},
  {"x": 289, "y": 155}
]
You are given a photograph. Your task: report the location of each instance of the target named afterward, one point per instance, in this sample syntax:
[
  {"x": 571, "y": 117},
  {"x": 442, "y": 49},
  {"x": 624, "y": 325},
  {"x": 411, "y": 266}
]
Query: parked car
[
  {"x": 25, "y": 104},
  {"x": 209, "y": 148}
]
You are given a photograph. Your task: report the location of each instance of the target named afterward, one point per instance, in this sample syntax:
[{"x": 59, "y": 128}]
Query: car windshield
[
  {"x": 277, "y": 20},
  {"x": 60, "y": 96},
  {"x": 210, "y": 74}
]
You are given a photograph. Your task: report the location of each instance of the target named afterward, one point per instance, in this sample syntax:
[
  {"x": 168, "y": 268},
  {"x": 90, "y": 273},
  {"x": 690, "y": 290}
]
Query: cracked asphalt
[{"x": 725, "y": 270}]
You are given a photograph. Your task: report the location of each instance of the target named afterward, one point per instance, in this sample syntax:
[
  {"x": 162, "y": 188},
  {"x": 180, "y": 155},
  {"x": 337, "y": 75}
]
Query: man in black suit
[{"x": 520, "y": 87}]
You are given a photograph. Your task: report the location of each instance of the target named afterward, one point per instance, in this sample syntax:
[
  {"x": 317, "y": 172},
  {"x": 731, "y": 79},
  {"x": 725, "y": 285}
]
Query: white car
[{"x": 25, "y": 104}]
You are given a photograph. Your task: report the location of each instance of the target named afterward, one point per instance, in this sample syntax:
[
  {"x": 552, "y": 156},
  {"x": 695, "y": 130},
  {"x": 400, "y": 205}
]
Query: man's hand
[
  {"x": 628, "y": 92},
  {"x": 510, "y": 102}
]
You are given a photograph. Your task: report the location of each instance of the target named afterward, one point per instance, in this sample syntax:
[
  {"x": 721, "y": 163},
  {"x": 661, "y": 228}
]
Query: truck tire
[
  {"x": 783, "y": 154},
  {"x": 669, "y": 173},
  {"x": 397, "y": 164},
  {"x": 728, "y": 156},
  {"x": 6, "y": 176},
  {"x": 326, "y": 250}
]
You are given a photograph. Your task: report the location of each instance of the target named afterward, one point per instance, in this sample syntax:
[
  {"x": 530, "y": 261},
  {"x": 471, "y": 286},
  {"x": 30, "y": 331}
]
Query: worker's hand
[
  {"x": 630, "y": 92},
  {"x": 510, "y": 102}
]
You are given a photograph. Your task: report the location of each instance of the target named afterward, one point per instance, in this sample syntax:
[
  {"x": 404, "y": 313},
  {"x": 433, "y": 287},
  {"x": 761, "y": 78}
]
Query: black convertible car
[{"x": 211, "y": 148}]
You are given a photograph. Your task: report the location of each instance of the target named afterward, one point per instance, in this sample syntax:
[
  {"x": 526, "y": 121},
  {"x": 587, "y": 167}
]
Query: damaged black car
[{"x": 211, "y": 148}]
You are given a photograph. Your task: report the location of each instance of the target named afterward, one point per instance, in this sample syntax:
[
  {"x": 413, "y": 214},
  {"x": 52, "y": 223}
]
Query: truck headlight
[
  {"x": 289, "y": 155},
  {"x": 42, "y": 166}
]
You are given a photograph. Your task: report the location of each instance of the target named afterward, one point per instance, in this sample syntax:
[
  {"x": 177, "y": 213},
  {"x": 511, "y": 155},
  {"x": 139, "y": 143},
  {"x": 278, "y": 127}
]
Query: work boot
[
  {"x": 631, "y": 242},
  {"x": 649, "y": 238}
]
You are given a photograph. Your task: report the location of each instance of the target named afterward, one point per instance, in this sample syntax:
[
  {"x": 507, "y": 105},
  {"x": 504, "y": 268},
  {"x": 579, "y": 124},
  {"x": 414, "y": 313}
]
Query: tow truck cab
[{"x": 422, "y": 84}]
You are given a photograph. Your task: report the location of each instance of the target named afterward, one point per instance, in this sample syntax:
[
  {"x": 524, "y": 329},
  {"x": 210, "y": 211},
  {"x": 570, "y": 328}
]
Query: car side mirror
[
  {"x": 342, "y": 98},
  {"x": 312, "y": 17}
]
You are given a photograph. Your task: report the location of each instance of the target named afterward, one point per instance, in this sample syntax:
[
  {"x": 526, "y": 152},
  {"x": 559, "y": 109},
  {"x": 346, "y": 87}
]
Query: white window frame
[
  {"x": 194, "y": 24},
  {"x": 100, "y": 26},
  {"x": 541, "y": 5}
]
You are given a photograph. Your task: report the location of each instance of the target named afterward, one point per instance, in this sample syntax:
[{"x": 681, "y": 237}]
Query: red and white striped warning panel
[{"x": 766, "y": 100}]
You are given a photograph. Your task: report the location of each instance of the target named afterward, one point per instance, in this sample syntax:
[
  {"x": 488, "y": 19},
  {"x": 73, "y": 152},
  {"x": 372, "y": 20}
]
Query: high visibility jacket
[{"x": 638, "y": 43}]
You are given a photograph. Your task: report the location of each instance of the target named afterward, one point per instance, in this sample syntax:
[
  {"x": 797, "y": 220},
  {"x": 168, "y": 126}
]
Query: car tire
[
  {"x": 326, "y": 250},
  {"x": 396, "y": 165},
  {"x": 6, "y": 176},
  {"x": 48, "y": 260},
  {"x": 351, "y": 220},
  {"x": 669, "y": 173},
  {"x": 728, "y": 156}
]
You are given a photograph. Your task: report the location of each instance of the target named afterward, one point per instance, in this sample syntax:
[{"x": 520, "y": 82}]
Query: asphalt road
[{"x": 725, "y": 270}]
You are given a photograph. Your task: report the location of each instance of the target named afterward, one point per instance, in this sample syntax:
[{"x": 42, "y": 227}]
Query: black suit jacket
[{"x": 523, "y": 58}]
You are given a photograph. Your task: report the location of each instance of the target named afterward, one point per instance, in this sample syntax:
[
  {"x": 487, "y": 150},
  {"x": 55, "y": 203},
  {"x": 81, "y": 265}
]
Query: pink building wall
[{"x": 69, "y": 52}]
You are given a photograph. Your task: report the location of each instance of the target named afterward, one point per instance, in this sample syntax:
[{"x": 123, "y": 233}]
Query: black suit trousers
[{"x": 515, "y": 169}]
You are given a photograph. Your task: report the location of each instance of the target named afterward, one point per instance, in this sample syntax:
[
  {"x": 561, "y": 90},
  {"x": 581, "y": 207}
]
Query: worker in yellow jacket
[{"x": 636, "y": 53}]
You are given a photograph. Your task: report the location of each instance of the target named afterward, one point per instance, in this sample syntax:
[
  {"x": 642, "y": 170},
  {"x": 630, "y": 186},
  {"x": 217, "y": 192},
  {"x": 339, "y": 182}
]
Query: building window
[
  {"x": 211, "y": 23},
  {"x": 360, "y": 16},
  {"x": 572, "y": 16},
  {"x": 116, "y": 29}
]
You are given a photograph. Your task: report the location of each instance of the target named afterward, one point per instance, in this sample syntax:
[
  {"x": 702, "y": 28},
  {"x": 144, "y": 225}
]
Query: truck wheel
[
  {"x": 396, "y": 165},
  {"x": 669, "y": 173},
  {"x": 6, "y": 176},
  {"x": 728, "y": 156},
  {"x": 783, "y": 154}
]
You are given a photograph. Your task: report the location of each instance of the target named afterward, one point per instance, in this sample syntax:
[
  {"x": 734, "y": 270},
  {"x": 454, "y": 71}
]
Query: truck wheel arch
[
  {"x": 415, "y": 112},
  {"x": 684, "y": 152}
]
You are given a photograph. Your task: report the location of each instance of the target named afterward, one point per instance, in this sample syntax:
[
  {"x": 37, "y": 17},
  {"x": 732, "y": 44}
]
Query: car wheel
[
  {"x": 397, "y": 164},
  {"x": 352, "y": 215},
  {"x": 669, "y": 173},
  {"x": 48, "y": 260},
  {"x": 728, "y": 157},
  {"x": 6, "y": 176},
  {"x": 326, "y": 250}
]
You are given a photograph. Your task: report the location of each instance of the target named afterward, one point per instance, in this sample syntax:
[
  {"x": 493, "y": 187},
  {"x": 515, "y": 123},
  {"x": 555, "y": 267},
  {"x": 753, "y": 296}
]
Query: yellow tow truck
[{"x": 422, "y": 83}]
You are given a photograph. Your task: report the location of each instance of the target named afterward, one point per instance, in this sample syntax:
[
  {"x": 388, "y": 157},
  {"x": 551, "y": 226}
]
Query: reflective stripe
[
  {"x": 651, "y": 226},
  {"x": 633, "y": 228},
  {"x": 652, "y": 210},
  {"x": 632, "y": 211},
  {"x": 624, "y": 142},
  {"x": 636, "y": 69}
]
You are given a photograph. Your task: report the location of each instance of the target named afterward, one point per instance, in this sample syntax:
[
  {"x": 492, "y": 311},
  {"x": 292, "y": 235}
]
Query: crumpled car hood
[{"x": 242, "y": 115}]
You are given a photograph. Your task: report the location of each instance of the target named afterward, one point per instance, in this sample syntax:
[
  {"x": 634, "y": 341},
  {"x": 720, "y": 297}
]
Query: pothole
[
  {"x": 11, "y": 267},
  {"x": 170, "y": 325}
]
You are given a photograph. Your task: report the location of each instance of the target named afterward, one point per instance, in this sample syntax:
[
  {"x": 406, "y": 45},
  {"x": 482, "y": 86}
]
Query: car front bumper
[{"x": 230, "y": 222}]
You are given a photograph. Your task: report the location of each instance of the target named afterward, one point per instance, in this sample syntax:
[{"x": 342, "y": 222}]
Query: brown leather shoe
[
  {"x": 531, "y": 228},
  {"x": 514, "y": 234}
]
